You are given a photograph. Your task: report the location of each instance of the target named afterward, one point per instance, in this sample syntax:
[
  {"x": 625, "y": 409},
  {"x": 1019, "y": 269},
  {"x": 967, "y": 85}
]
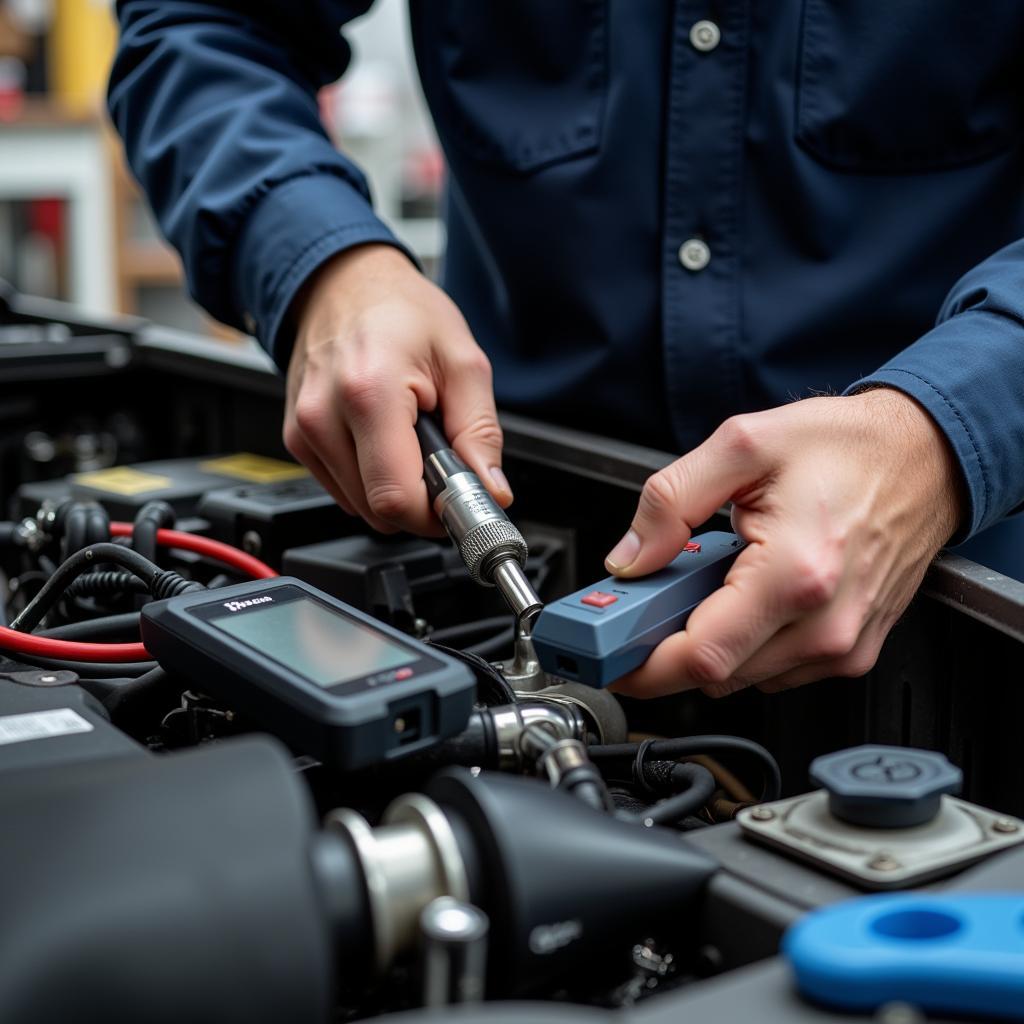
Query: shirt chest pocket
[
  {"x": 909, "y": 86},
  {"x": 517, "y": 85}
]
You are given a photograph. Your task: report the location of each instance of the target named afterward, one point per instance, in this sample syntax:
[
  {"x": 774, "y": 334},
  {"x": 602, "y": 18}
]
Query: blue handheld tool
[
  {"x": 961, "y": 954},
  {"x": 601, "y": 632}
]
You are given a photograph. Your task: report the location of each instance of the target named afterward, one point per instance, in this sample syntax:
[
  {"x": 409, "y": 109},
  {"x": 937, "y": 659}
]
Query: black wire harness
[
  {"x": 160, "y": 583},
  {"x": 492, "y": 687},
  {"x": 632, "y": 758}
]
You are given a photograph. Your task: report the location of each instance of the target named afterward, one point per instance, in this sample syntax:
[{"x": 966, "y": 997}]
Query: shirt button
[
  {"x": 705, "y": 36},
  {"x": 694, "y": 254}
]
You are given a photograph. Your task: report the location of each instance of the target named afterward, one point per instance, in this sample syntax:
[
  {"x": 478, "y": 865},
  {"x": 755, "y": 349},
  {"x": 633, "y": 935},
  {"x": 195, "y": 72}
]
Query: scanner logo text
[{"x": 237, "y": 606}]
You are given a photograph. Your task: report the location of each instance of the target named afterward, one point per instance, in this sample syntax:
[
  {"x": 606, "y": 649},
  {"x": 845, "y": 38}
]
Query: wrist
[
  {"x": 922, "y": 453},
  {"x": 346, "y": 273}
]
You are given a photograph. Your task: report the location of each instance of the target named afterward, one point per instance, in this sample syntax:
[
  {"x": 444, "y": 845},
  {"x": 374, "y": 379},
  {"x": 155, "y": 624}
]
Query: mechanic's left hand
[{"x": 843, "y": 503}]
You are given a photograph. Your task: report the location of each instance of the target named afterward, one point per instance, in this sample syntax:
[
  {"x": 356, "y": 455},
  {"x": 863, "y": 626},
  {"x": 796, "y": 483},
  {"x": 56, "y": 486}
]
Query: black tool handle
[
  {"x": 430, "y": 434},
  {"x": 439, "y": 458}
]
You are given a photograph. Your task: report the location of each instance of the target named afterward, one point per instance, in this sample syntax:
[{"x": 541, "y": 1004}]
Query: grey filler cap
[{"x": 885, "y": 787}]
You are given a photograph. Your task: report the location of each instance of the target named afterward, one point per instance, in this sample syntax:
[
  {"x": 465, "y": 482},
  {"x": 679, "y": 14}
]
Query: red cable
[
  {"x": 69, "y": 650},
  {"x": 225, "y": 553},
  {"x": 72, "y": 650}
]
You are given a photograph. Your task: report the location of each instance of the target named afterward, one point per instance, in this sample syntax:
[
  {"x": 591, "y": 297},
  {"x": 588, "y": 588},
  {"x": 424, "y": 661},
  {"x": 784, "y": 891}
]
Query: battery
[
  {"x": 45, "y": 720},
  {"x": 268, "y": 519},
  {"x": 123, "y": 490}
]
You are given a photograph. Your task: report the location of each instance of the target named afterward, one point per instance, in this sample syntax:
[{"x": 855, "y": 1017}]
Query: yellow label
[
  {"x": 254, "y": 469},
  {"x": 122, "y": 480}
]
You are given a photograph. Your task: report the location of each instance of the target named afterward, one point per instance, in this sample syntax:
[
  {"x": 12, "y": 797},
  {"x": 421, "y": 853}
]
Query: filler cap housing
[{"x": 885, "y": 787}]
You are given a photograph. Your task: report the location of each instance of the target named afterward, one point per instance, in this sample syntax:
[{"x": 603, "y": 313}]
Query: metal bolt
[
  {"x": 252, "y": 542},
  {"x": 884, "y": 862},
  {"x": 1005, "y": 825},
  {"x": 762, "y": 814},
  {"x": 47, "y": 679}
]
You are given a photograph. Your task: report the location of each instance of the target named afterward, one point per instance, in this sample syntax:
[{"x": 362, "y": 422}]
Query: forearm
[
  {"x": 968, "y": 373},
  {"x": 221, "y": 127}
]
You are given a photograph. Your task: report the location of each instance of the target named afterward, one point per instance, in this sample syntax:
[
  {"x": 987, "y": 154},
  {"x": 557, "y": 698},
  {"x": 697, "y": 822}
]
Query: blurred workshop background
[{"x": 72, "y": 223}]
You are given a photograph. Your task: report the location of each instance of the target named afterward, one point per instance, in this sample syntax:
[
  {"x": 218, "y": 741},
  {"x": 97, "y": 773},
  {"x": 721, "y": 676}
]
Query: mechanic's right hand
[{"x": 376, "y": 342}]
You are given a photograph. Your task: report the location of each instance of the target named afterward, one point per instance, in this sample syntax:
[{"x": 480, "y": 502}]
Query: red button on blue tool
[
  {"x": 692, "y": 546},
  {"x": 599, "y": 599},
  {"x": 403, "y": 673}
]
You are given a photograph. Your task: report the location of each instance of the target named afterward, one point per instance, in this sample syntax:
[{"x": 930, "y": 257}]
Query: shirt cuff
[
  {"x": 295, "y": 228},
  {"x": 967, "y": 374}
]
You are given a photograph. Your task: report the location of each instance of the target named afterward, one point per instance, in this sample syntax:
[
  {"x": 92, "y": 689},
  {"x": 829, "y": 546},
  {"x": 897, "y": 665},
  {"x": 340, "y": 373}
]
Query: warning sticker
[
  {"x": 38, "y": 725},
  {"x": 122, "y": 480},
  {"x": 254, "y": 469}
]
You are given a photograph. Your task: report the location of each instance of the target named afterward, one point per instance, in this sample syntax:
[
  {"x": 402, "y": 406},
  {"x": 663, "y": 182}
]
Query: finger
[
  {"x": 665, "y": 672},
  {"x": 825, "y": 638},
  {"x": 857, "y": 663},
  {"x": 303, "y": 451},
  {"x": 768, "y": 587},
  {"x": 471, "y": 418},
  {"x": 337, "y": 456},
  {"x": 342, "y": 460},
  {"x": 309, "y": 459},
  {"x": 316, "y": 435},
  {"x": 381, "y": 417},
  {"x": 687, "y": 493},
  {"x": 722, "y": 632},
  {"x": 801, "y": 676}
]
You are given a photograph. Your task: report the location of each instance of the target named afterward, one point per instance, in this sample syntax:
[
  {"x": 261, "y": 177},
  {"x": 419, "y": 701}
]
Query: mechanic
[{"x": 666, "y": 221}]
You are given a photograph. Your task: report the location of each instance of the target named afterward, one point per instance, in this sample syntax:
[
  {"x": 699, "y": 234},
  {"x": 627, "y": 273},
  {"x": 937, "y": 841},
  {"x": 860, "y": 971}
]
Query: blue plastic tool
[
  {"x": 957, "y": 953},
  {"x": 601, "y": 632}
]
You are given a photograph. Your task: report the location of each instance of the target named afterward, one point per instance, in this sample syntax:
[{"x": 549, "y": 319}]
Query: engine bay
[{"x": 260, "y": 763}]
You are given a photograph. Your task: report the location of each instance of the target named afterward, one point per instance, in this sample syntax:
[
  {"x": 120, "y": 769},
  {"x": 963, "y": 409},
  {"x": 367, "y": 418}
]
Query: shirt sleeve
[
  {"x": 217, "y": 106},
  {"x": 968, "y": 372}
]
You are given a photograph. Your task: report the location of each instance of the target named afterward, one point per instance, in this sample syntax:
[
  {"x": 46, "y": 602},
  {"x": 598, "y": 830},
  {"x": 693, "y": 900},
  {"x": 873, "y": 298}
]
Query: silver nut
[
  {"x": 762, "y": 814},
  {"x": 480, "y": 545},
  {"x": 1007, "y": 826},
  {"x": 31, "y": 534}
]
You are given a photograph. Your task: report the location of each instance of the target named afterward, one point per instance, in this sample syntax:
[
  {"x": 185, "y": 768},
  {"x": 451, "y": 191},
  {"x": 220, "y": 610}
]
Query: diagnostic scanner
[
  {"x": 327, "y": 679},
  {"x": 601, "y": 632}
]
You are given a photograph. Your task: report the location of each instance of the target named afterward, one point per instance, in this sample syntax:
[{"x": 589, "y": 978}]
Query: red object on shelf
[{"x": 12, "y": 88}]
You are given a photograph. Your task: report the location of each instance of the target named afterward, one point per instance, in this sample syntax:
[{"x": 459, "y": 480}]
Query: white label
[{"x": 37, "y": 725}]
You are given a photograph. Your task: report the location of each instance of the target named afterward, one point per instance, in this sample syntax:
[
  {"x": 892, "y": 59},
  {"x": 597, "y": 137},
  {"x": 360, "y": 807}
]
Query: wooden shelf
[
  {"x": 47, "y": 112},
  {"x": 150, "y": 263}
]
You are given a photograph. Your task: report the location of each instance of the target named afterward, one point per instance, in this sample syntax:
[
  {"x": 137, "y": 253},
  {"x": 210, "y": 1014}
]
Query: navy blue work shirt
[{"x": 659, "y": 213}]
